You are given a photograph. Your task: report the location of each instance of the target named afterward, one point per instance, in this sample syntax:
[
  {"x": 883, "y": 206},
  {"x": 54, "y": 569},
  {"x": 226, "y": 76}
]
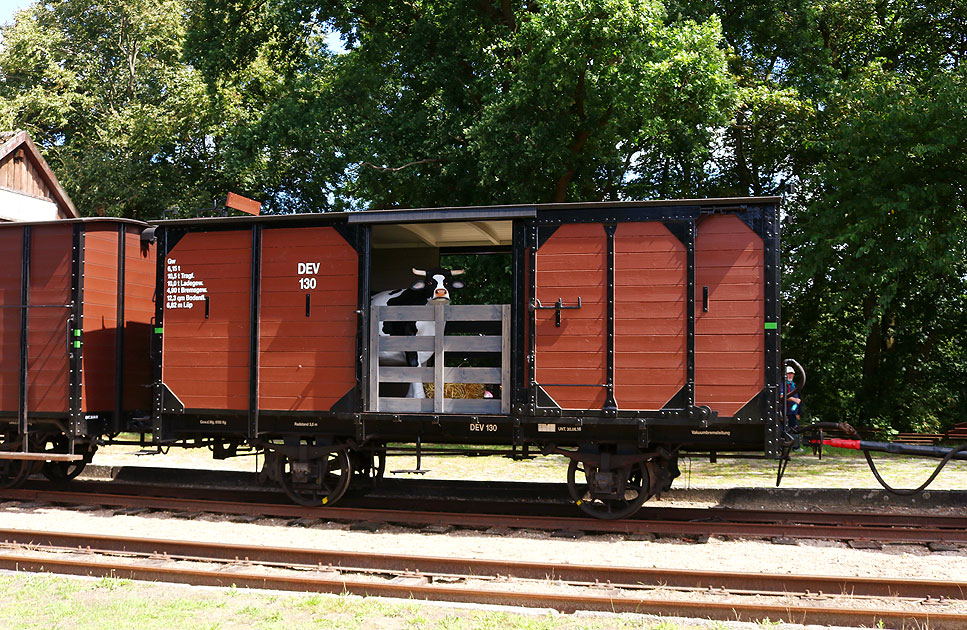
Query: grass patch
[{"x": 41, "y": 601}]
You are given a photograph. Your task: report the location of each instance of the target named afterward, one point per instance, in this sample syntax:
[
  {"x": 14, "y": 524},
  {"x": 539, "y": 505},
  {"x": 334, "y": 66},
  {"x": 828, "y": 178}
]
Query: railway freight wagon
[
  {"x": 76, "y": 303},
  {"x": 637, "y": 331}
]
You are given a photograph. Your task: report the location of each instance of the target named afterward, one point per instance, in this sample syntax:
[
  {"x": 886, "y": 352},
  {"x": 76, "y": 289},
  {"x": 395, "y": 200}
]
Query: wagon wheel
[
  {"x": 316, "y": 482},
  {"x": 13, "y": 472},
  {"x": 62, "y": 471},
  {"x": 633, "y": 491}
]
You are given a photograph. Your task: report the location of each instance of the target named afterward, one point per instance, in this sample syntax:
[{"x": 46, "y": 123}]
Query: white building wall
[{"x": 17, "y": 207}]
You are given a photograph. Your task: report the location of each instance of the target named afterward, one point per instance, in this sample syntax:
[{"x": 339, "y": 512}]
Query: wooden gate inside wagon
[{"x": 435, "y": 371}]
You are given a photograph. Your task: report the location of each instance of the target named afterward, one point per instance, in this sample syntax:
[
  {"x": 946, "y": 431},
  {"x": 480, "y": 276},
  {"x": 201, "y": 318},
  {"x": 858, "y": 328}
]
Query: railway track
[
  {"x": 678, "y": 522},
  {"x": 828, "y": 600},
  {"x": 497, "y": 498}
]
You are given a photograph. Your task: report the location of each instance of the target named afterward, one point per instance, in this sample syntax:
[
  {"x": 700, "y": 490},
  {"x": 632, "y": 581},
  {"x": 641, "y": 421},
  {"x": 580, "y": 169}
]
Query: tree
[
  {"x": 441, "y": 104},
  {"x": 882, "y": 243},
  {"x": 862, "y": 103},
  {"x": 127, "y": 125}
]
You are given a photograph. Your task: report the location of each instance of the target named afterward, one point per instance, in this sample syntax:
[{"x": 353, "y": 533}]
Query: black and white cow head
[{"x": 436, "y": 283}]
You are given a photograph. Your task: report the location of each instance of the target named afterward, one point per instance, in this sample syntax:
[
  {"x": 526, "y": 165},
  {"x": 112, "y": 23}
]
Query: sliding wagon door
[
  {"x": 651, "y": 279},
  {"x": 625, "y": 347},
  {"x": 99, "y": 325},
  {"x": 11, "y": 299},
  {"x": 48, "y": 369},
  {"x": 729, "y": 314},
  {"x": 207, "y": 317},
  {"x": 308, "y": 320},
  {"x": 571, "y": 343},
  {"x": 140, "y": 268}
]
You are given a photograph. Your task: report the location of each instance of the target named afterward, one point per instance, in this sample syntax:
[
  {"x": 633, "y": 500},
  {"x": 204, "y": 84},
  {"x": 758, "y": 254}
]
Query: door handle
[{"x": 558, "y": 307}]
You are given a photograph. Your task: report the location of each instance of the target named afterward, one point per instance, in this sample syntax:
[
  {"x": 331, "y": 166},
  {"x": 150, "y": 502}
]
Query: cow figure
[{"x": 433, "y": 287}]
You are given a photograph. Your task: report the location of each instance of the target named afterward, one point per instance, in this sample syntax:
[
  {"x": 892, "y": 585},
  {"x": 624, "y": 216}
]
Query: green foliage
[
  {"x": 99, "y": 86},
  {"x": 144, "y": 106},
  {"x": 130, "y": 127},
  {"x": 112, "y": 583},
  {"x": 438, "y": 104},
  {"x": 880, "y": 247},
  {"x": 862, "y": 103},
  {"x": 489, "y": 278},
  {"x": 594, "y": 95}
]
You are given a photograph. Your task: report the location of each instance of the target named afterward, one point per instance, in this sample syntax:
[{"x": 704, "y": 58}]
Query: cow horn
[
  {"x": 457, "y": 272},
  {"x": 419, "y": 272}
]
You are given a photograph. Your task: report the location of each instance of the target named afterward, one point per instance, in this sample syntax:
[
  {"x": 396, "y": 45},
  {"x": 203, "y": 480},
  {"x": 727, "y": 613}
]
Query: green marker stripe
[
  {"x": 77, "y": 344},
  {"x": 772, "y": 325},
  {"x": 158, "y": 330}
]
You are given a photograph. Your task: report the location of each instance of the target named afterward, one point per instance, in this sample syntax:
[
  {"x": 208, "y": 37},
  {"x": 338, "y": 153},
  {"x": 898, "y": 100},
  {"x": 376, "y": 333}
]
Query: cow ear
[
  {"x": 418, "y": 285},
  {"x": 456, "y": 284}
]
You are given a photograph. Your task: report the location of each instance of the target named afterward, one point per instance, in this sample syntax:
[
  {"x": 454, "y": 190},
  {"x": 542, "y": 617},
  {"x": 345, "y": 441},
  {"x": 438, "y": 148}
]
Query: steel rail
[
  {"x": 617, "y": 576},
  {"x": 612, "y": 601},
  {"x": 490, "y": 506},
  {"x": 859, "y": 519},
  {"x": 584, "y": 524}
]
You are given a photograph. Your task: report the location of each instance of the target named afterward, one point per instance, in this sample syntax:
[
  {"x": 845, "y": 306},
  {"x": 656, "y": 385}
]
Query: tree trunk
[
  {"x": 869, "y": 397},
  {"x": 745, "y": 178}
]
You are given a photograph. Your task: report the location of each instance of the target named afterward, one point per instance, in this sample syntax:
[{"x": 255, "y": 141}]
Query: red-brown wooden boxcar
[
  {"x": 76, "y": 303},
  {"x": 637, "y": 331}
]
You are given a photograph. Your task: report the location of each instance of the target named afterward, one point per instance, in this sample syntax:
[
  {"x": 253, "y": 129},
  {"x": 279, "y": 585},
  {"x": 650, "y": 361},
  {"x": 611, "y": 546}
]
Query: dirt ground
[{"x": 41, "y": 602}]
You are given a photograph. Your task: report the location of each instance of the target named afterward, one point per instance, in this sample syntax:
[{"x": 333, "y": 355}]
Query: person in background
[{"x": 793, "y": 403}]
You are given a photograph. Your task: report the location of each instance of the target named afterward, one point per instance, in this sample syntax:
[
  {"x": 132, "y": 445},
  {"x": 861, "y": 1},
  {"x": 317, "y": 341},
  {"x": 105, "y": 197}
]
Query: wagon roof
[
  {"x": 85, "y": 220},
  {"x": 467, "y": 213}
]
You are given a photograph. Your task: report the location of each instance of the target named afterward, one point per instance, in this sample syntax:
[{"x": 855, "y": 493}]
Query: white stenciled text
[
  {"x": 307, "y": 272},
  {"x": 182, "y": 289}
]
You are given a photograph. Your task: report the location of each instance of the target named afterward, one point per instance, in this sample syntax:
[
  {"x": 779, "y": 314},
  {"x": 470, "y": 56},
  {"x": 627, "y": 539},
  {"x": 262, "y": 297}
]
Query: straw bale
[{"x": 457, "y": 390}]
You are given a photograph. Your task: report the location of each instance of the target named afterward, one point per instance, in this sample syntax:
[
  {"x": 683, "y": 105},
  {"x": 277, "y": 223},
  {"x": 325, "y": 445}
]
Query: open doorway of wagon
[
  {"x": 460, "y": 345},
  {"x": 489, "y": 281}
]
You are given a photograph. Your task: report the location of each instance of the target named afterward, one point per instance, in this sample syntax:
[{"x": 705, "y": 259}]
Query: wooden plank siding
[
  {"x": 140, "y": 260},
  {"x": 99, "y": 328},
  {"x": 571, "y": 359},
  {"x": 50, "y": 284},
  {"x": 650, "y": 315},
  {"x": 206, "y": 361},
  {"x": 51, "y": 269},
  {"x": 11, "y": 248},
  {"x": 23, "y": 176},
  {"x": 729, "y": 338},
  {"x": 307, "y": 359}
]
